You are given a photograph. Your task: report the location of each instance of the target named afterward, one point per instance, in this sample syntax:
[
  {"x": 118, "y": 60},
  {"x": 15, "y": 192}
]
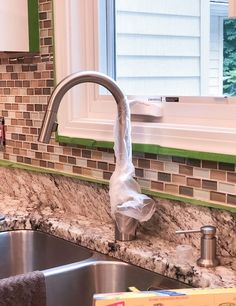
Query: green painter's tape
[
  {"x": 9, "y": 164},
  {"x": 149, "y": 148},
  {"x": 189, "y": 200},
  {"x": 33, "y": 21},
  {"x": 85, "y": 142},
  {"x": 4, "y": 163}
]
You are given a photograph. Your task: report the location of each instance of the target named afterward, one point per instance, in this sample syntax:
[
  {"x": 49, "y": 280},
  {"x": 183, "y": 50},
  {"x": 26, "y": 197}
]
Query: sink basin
[
  {"x": 72, "y": 273},
  {"x": 77, "y": 285},
  {"x": 26, "y": 251}
]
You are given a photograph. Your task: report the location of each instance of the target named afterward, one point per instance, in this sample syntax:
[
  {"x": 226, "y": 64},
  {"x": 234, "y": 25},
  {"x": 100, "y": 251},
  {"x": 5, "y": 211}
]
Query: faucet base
[
  {"x": 125, "y": 227},
  {"x": 123, "y": 236}
]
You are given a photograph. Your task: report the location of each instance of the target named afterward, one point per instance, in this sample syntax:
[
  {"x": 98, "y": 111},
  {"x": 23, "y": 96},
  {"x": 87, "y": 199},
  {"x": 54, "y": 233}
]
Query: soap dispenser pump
[{"x": 208, "y": 258}]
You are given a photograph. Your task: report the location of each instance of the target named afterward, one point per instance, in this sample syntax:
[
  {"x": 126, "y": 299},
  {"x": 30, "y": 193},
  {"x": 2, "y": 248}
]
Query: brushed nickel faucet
[
  {"x": 50, "y": 124},
  {"x": 208, "y": 258}
]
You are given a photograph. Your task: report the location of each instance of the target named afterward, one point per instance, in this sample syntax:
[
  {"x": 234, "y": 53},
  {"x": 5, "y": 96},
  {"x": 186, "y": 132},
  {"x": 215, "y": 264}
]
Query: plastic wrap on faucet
[{"x": 125, "y": 193}]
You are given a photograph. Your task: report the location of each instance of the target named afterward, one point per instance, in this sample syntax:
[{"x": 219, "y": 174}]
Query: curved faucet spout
[
  {"x": 69, "y": 82},
  {"x": 127, "y": 204}
]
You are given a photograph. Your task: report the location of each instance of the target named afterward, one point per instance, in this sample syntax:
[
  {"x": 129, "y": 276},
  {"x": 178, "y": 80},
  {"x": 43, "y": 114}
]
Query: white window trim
[{"x": 77, "y": 50}]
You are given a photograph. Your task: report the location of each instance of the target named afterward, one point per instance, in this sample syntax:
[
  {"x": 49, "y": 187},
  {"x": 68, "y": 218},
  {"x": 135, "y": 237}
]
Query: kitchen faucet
[{"x": 50, "y": 124}]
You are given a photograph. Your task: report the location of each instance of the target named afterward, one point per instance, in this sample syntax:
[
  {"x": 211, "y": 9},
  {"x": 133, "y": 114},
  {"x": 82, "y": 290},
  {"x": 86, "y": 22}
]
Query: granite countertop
[{"x": 148, "y": 250}]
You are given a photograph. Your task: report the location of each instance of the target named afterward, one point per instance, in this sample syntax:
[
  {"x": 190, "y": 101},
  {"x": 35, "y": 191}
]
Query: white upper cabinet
[{"x": 19, "y": 26}]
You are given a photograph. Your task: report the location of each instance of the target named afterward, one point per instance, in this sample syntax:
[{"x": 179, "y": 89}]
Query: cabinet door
[{"x": 19, "y": 26}]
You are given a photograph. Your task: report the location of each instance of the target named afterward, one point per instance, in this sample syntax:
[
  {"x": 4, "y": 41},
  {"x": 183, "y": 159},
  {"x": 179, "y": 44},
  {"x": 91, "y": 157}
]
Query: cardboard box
[{"x": 180, "y": 297}]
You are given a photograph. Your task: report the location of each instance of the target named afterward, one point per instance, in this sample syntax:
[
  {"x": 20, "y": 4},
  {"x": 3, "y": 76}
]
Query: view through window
[{"x": 171, "y": 47}]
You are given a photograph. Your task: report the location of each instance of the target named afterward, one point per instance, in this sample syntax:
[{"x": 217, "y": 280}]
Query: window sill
[{"x": 165, "y": 139}]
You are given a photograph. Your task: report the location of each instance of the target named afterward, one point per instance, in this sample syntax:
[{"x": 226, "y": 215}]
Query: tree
[{"x": 229, "y": 66}]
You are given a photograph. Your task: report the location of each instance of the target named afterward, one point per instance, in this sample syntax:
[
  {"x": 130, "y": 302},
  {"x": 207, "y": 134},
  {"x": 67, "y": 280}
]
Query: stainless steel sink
[
  {"x": 72, "y": 273},
  {"x": 24, "y": 251},
  {"x": 75, "y": 286}
]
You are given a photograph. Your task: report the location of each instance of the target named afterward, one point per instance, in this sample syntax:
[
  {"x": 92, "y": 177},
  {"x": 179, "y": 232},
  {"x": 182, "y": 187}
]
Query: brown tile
[
  {"x": 22, "y": 137},
  {"x": 43, "y": 163},
  {"x": 170, "y": 188},
  {"x": 26, "y": 115},
  {"x": 30, "y": 107},
  {"x": 14, "y": 76},
  {"x": 164, "y": 157},
  {"x": 35, "y": 162},
  {"x": 29, "y": 122},
  {"x": 77, "y": 170},
  {"x": 193, "y": 182},
  {"x": 210, "y": 185},
  {"x": 30, "y": 91},
  {"x": 91, "y": 163},
  {"x": 50, "y": 149},
  {"x": 3, "y": 83},
  {"x": 139, "y": 172},
  {"x": 5, "y": 113},
  {"x": 18, "y": 99},
  {"x": 26, "y": 83},
  {"x": 27, "y": 160},
  {"x": 111, "y": 167},
  {"x": 9, "y": 68},
  {"x": 6, "y": 91},
  {"x": 231, "y": 177},
  {"x": 107, "y": 175},
  {"x": 38, "y": 107},
  {"x": 62, "y": 159},
  {"x": 227, "y": 167},
  {"x": 178, "y": 159},
  {"x": 150, "y": 156},
  {"x": 38, "y": 155},
  {"x": 187, "y": 170},
  {"x": 231, "y": 199},
  {"x": 209, "y": 164},
  {"x": 76, "y": 152},
  {"x": 46, "y": 156},
  {"x": 5, "y": 156},
  {"x": 86, "y": 154},
  {"x": 157, "y": 165},
  {"x": 42, "y": 15},
  {"x": 187, "y": 191},
  {"x": 8, "y": 106},
  {"x": 26, "y": 145},
  {"x": 71, "y": 160},
  {"x": 157, "y": 186},
  {"x": 193, "y": 162},
  {"x": 16, "y": 151},
  {"x": 18, "y": 83},
  {"x": 51, "y": 165},
  {"x": 162, "y": 176},
  {"x": 25, "y": 68},
  {"x": 179, "y": 179},
  {"x": 102, "y": 165},
  {"x": 217, "y": 196},
  {"x": 218, "y": 175},
  {"x": 144, "y": 163},
  {"x": 14, "y": 136},
  {"x": 14, "y": 121}
]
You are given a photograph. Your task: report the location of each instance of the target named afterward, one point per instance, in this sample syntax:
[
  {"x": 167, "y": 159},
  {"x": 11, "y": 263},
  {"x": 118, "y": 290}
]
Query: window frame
[{"x": 82, "y": 111}]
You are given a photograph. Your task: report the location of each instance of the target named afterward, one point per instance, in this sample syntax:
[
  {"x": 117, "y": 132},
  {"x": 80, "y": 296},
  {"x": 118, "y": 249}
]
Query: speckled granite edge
[{"x": 147, "y": 251}]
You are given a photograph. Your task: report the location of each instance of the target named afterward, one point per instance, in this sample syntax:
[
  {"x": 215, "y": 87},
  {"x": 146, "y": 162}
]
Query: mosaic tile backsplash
[{"x": 25, "y": 85}]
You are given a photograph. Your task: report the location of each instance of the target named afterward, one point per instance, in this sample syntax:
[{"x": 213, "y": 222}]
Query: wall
[{"x": 25, "y": 85}]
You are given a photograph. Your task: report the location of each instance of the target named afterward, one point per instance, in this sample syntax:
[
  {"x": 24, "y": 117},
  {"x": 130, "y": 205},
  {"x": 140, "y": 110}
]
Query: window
[
  {"x": 200, "y": 124},
  {"x": 166, "y": 47}
]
